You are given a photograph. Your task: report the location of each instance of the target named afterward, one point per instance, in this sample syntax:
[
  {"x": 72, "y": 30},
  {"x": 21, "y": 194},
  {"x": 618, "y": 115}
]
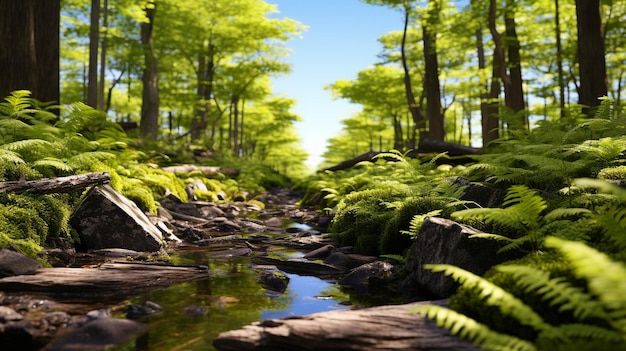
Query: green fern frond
[
  {"x": 494, "y": 295},
  {"x": 11, "y": 156},
  {"x": 470, "y": 329},
  {"x": 561, "y": 213},
  {"x": 491, "y": 237},
  {"x": 591, "y": 332},
  {"x": 416, "y": 223},
  {"x": 26, "y": 144},
  {"x": 85, "y": 159},
  {"x": 557, "y": 291},
  {"x": 606, "y": 278},
  {"x": 613, "y": 220},
  {"x": 52, "y": 163}
]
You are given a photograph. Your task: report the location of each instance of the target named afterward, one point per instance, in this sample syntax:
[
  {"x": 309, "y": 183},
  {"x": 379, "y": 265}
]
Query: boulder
[
  {"x": 107, "y": 219},
  {"x": 14, "y": 263},
  {"x": 99, "y": 334},
  {"x": 442, "y": 241},
  {"x": 375, "y": 273},
  {"x": 274, "y": 281},
  {"x": 483, "y": 195}
]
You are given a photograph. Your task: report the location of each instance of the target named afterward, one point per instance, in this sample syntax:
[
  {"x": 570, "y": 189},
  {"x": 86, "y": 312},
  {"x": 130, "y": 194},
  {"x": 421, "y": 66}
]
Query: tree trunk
[
  {"x": 92, "y": 75},
  {"x": 235, "y": 129},
  {"x": 29, "y": 60},
  {"x": 515, "y": 96},
  {"x": 103, "y": 54},
  {"x": 416, "y": 113},
  {"x": 205, "y": 90},
  {"x": 149, "y": 126},
  {"x": 559, "y": 58},
  {"x": 436, "y": 127},
  {"x": 591, "y": 55}
]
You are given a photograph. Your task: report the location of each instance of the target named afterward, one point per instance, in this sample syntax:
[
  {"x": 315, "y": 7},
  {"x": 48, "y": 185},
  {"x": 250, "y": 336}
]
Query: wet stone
[{"x": 8, "y": 314}]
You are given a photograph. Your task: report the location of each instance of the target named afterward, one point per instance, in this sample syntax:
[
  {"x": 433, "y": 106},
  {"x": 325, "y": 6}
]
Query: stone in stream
[
  {"x": 446, "y": 242},
  {"x": 98, "y": 334},
  {"x": 14, "y": 263},
  {"x": 107, "y": 219},
  {"x": 274, "y": 281}
]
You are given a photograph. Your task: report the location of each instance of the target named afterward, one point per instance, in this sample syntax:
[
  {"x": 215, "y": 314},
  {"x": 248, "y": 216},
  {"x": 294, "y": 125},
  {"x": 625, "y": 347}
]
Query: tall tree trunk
[
  {"x": 591, "y": 54},
  {"x": 205, "y": 90},
  {"x": 235, "y": 125},
  {"x": 414, "y": 109},
  {"x": 514, "y": 65},
  {"x": 489, "y": 99},
  {"x": 149, "y": 126},
  {"x": 103, "y": 54},
  {"x": 559, "y": 58},
  {"x": 92, "y": 75},
  {"x": 436, "y": 126},
  {"x": 29, "y": 60}
]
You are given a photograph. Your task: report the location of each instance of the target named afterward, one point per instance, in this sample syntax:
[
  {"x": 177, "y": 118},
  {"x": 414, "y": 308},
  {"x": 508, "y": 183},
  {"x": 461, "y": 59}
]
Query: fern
[
  {"x": 606, "y": 278},
  {"x": 557, "y": 291},
  {"x": 470, "y": 329},
  {"x": 494, "y": 295},
  {"x": 417, "y": 221}
]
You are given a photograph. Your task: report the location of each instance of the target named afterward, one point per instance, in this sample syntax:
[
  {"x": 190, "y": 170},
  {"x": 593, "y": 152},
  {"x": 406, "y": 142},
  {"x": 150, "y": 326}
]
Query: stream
[{"x": 194, "y": 313}]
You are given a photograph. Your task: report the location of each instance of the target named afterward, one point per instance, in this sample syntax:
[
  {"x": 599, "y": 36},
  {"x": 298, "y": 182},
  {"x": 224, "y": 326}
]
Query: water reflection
[{"x": 194, "y": 313}]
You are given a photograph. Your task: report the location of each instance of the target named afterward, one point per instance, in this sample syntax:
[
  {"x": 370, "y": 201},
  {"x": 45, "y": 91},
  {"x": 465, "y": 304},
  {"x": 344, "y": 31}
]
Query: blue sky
[{"x": 340, "y": 41}]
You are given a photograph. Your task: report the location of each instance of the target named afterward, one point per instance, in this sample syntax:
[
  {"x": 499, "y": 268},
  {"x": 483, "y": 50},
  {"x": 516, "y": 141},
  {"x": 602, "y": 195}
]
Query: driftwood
[
  {"x": 378, "y": 328},
  {"x": 55, "y": 185},
  {"x": 368, "y": 156},
  {"x": 115, "y": 281},
  {"x": 206, "y": 170}
]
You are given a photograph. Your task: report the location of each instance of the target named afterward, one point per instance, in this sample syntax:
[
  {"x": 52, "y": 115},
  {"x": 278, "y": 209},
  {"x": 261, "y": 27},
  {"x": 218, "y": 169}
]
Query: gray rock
[
  {"x": 14, "y": 263},
  {"x": 274, "y": 281},
  {"x": 340, "y": 260},
  {"x": 107, "y": 219},
  {"x": 442, "y": 241},
  {"x": 377, "y": 272},
  {"x": 8, "y": 314},
  {"x": 98, "y": 334},
  {"x": 320, "y": 253}
]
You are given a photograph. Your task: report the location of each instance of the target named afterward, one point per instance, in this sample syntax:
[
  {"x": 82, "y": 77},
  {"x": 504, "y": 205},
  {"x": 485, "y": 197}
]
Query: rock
[
  {"x": 274, "y": 281},
  {"x": 107, "y": 219},
  {"x": 8, "y": 314},
  {"x": 375, "y": 273},
  {"x": 444, "y": 241},
  {"x": 253, "y": 226},
  {"x": 339, "y": 260},
  {"x": 483, "y": 195},
  {"x": 320, "y": 253},
  {"x": 302, "y": 267},
  {"x": 14, "y": 263},
  {"x": 98, "y": 334}
]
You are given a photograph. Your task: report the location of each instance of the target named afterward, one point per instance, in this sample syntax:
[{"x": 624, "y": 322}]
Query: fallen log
[
  {"x": 55, "y": 185},
  {"x": 112, "y": 281},
  {"x": 391, "y": 328},
  {"x": 368, "y": 156},
  {"x": 206, "y": 170},
  {"x": 431, "y": 145}
]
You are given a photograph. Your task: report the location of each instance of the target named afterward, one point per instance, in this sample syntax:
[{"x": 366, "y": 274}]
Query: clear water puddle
[{"x": 194, "y": 313}]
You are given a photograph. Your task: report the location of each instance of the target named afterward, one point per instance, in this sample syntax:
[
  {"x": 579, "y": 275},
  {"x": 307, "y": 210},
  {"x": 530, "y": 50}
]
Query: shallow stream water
[{"x": 194, "y": 313}]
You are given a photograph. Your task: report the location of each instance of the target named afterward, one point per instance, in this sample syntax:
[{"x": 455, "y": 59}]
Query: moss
[
  {"x": 393, "y": 241},
  {"x": 142, "y": 197},
  {"x": 10, "y": 170},
  {"x": 613, "y": 173},
  {"x": 366, "y": 214}
]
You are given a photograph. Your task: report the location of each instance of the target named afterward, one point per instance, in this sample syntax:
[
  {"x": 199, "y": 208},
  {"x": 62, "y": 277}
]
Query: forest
[{"x": 532, "y": 87}]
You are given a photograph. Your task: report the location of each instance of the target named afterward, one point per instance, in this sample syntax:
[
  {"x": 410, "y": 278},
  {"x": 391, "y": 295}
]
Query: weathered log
[
  {"x": 55, "y": 185},
  {"x": 206, "y": 170},
  {"x": 430, "y": 145},
  {"x": 113, "y": 281},
  {"x": 368, "y": 156},
  {"x": 378, "y": 328}
]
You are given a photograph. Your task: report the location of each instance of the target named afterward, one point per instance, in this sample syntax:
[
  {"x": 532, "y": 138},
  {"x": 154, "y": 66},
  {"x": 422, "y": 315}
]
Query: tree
[
  {"x": 29, "y": 32},
  {"x": 94, "y": 35},
  {"x": 591, "y": 54},
  {"x": 149, "y": 125},
  {"x": 436, "y": 129}
]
